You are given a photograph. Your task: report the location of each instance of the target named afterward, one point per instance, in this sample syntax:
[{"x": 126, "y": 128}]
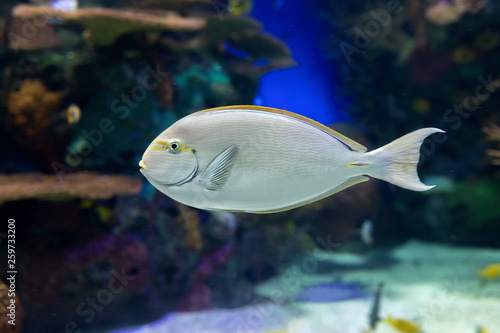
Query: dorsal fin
[{"x": 353, "y": 145}]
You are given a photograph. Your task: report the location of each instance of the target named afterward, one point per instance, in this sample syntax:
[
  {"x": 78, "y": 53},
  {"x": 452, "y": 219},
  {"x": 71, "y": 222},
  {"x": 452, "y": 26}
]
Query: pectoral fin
[{"x": 217, "y": 172}]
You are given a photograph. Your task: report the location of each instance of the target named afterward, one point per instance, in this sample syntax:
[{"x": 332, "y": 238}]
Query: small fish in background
[
  {"x": 265, "y": 160},
  {"x": 87, "y": 203},
  {"x": 330, "y": 292},
  {"x": 490, "y": 272},
  {"x": 73, "y": 114},
  {"x": 222, "y": 224},
  {"x": 402, "y": 325},
  {"x": 366, "y": 232},
  {"x": 239, "y": 7},
  {"x": 374, "y": 316},
  {"x": 481, "y": 329}
]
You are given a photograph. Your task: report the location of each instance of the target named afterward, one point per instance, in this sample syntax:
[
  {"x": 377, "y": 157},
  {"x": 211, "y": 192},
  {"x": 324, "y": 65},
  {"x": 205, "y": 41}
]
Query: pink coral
[{"x": 444, "y": 12}]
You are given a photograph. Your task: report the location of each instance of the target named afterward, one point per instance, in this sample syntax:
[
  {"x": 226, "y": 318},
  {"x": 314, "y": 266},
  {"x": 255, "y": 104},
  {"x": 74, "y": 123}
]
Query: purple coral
[
  {"x": 200, "y": 296},
  {"x": 123, "y": 253}
]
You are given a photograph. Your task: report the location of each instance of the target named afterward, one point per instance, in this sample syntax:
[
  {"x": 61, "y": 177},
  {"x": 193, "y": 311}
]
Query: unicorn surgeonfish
[{"x": 263, "y": 160}]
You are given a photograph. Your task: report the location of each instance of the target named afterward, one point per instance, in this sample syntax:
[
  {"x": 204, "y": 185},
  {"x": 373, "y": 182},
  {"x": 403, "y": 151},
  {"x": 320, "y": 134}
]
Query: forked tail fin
[{"x": 397, "y": 161}]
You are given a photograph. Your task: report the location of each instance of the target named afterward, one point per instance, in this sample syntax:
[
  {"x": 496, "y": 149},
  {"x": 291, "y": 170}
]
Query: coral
[
  {"x": 487, "y": 40},
  {"x": 14, "y": 32},
  {"x": 219, "y": 30},
  {"x": 478, "y": 202},
  {"x": 492, "y": 132},
  {"x": 44, "y": 277},
  {"x": 31, "y": 107},
  {"x": 95, "y": 261},
  {"x": 105, "y": 25},
  {"x": 5, "y": 301},
  {"x": 200, "y": 296},
  {"x": 175, "y": 5},
  {"x": 464, "y": 54},
  {"x": 444, "y": 12},
  {"x": 254, "y": 70},
  {"x": 426, "y": 64},
  {"x": 198, "y": 299},
  {"x": 51, "y": 276},
  {"x": 191, "y": 221},
  {"x": 31, "y": 110},
  {"x": 259, "y": 45},
  {"x": 79, "y": 184}
]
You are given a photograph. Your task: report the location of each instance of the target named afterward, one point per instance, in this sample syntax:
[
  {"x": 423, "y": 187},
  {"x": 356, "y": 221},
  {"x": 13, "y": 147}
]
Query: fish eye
[{"x": 174, "y": 146}]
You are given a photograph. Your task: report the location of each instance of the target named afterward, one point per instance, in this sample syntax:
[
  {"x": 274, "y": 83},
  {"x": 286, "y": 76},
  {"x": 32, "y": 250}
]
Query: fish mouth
[{"x": 179, "y": 182}]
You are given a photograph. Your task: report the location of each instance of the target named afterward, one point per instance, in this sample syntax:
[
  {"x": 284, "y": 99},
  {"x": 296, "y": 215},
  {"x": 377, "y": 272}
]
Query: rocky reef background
[{"x": 84, "y": 92}]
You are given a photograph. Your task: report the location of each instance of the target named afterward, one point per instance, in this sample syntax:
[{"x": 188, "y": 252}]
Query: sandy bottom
[{"x": 434, "y": 286}]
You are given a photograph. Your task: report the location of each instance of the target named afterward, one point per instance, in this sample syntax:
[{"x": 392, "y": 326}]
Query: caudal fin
[{"x": 397, "y": 161}]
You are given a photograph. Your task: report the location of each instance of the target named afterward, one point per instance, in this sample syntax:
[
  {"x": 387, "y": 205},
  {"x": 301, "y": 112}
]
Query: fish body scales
[
  {"x": 281, "y": 161},
  {"x": 264, "y": 160}
]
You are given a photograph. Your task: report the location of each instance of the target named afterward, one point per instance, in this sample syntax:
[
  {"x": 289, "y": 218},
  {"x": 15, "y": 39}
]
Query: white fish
[
  {"x": 366, "y": 232},
  {"x": 264, "y": 160}
]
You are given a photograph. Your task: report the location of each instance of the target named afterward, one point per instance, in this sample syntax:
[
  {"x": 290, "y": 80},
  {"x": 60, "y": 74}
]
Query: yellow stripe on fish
[{"x": 262, "y": 160}]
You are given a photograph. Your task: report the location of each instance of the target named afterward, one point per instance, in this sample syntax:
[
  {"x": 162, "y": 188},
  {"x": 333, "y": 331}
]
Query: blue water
[{"x": 307, "y": 89}]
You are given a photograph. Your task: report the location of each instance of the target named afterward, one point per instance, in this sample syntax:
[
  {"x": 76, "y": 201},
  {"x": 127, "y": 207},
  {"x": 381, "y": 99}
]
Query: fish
[
  {"x": 481, "y": 329},
  {"x": 330, "y": 292},
  {"x": 73, "y": 114},
  {"x": 403, "y": 325},
  {"x": 490, "y": 272},
  {"x": 366, "y": 232},
  {"x": 253, "y": 159},
  {"x": 374, "y": 317}
]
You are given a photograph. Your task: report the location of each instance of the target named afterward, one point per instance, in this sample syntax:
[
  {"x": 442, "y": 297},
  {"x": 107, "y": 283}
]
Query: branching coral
[{"x": 80, "y": 185}]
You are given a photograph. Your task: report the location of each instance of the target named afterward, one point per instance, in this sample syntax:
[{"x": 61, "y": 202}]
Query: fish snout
[{"x": 143, "y": 166}]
